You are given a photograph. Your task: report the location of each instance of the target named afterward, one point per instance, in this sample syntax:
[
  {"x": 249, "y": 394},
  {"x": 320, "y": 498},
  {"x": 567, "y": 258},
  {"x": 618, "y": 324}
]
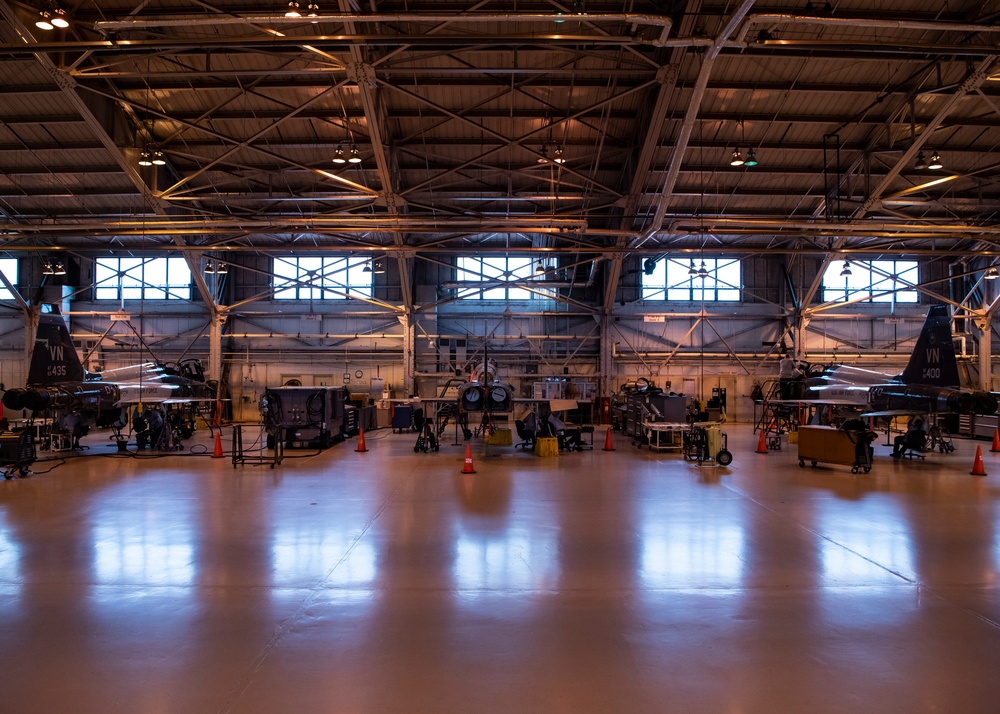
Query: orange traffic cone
[
  {"x": 217, "y": 451},
  {"x": 609, "y": 445},
  {"x": 977, "y": 466},
  {"x": 361, "y": 441},
  {"x": 996, "y": 441},
  {"x": 761, "y": 443},
  {"x": 468, "y": 468}
]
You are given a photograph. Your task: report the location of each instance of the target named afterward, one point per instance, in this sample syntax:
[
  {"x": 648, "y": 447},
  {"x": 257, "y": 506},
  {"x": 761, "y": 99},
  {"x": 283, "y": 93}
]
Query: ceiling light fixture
[
  {"x": 210, "y": 268},
  {"x": 338, "y": 156},
  {"x": 540, "y": 268},
  {"x": 158, "y": 159},
  {"x": 221, "y": 268},
  {"x": 58, "y": 268},
  {"x": 44, "y": 21},
  {"x": 751, "y": 158},
  {"x": 293, "y": 9},
  {"x": 692, "y": 270},
  {"x": 47, "y": 268},
  {"x": 59, "y": 18},
  {"x": 921, "y": 162},
  {"x": 145, "y": 159},
  {"x": 544, "y": 158},
  {"x": 935, "y": 162},
  {"x": 846, "y": 272},
  {"x": 737, "y": 158},
  {"x": 378, "y": 267},
  {"x": 559, "y": 159},
  {"x": 355, "y": 157},
  {"x": 313, "y": 9},
  {"x": 991, "y": 274},
  {"x": 703, "y": 270}
]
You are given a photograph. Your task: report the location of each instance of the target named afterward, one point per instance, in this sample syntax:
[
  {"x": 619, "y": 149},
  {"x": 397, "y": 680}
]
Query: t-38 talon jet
[
  {"x": 57, "y": 381},
  {"x": 928, "y": 385}
]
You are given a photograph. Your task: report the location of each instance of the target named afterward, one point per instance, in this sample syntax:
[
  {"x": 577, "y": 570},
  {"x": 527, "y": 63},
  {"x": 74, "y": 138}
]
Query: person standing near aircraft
[{"x": 788, "y": 373}]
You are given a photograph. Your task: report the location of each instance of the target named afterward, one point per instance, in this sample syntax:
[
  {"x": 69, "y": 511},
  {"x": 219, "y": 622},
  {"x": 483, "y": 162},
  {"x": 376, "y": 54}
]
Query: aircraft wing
[
  {"x": 169, "y": 400},
  {"x": 896, "y": 413},
  {"x": 817, "y": 402}
]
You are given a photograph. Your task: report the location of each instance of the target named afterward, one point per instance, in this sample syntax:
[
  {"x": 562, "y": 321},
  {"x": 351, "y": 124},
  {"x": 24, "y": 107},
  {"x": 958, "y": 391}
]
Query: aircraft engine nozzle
[
  {"x": 14, "y": 399},
  {"x": 960, "y": 402},
  {"x": 984, "y": 403},
  {"x": 39, "y": 399}
]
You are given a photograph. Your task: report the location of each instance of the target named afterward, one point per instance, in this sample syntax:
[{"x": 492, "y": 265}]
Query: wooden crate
[{"x": 827, "y": 445}]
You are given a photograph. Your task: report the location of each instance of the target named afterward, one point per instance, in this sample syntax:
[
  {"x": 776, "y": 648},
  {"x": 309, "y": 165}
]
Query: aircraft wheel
[
  {"x": 854, "y": 469},
  {"x": 868, "y": 469},
  {"x": 724, "y": 458}
]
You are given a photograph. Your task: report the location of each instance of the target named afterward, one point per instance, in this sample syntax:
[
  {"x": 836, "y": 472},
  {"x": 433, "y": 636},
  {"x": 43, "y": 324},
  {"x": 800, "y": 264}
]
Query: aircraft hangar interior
[{"x": 559, "y": 355}]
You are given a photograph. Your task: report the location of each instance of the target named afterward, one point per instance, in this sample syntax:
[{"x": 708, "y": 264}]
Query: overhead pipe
[{"x": 925, "y": 25}]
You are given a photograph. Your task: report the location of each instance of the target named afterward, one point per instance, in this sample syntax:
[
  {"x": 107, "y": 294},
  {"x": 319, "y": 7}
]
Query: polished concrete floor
[{"x": 387, "y": 581}]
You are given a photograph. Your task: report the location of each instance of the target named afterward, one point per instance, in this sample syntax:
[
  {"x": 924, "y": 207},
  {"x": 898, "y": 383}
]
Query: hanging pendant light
[
  {"x": 692, "y": 270},
  {"x": 751, "y": 158},
  {"x": 846, "y": 272},
  {"x": 58, "y": 268},
  {"x": 338, "y": 156},
  {"x": 559, "y": 159},
  {"x": 355, "y": 157},
  {"x": 145, "y": 159},
  {"x": 703, "y": 270},
  {"x": 44, "y": 21},
  {"x": 157, "y": 159},
  {"x": 293, "y": 9},
  {"x": 935, "y": 162},
  {"x": 544, "y": 158},
  {"x": 59, "y": 19},
  {"x": 921, "y": 162},
  {"x": 737, "y": 158}
]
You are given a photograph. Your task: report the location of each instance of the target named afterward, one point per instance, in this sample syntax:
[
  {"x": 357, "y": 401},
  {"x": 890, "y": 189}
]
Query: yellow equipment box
[{"x": 547, "y": 446}]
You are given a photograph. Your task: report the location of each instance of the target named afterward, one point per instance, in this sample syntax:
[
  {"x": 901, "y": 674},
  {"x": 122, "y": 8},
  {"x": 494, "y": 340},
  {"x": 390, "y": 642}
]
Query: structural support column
[
  {"x": 607, "y": 366},
  {"x": 31, "y": 313},
  {"x": 985, "y": 353},
  {"x": 409, "y": 352},
  {"x": 215, "y": 346}
]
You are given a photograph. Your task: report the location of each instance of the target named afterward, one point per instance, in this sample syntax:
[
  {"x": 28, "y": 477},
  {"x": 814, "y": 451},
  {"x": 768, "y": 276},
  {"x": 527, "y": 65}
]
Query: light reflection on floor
[{"x": 388, "y": 581}]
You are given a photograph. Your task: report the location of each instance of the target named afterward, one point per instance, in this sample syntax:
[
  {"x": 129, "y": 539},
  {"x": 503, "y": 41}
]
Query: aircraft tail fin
[
  {"x": 54, "y": 358},
  {"x": 933, "y": 360}
]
